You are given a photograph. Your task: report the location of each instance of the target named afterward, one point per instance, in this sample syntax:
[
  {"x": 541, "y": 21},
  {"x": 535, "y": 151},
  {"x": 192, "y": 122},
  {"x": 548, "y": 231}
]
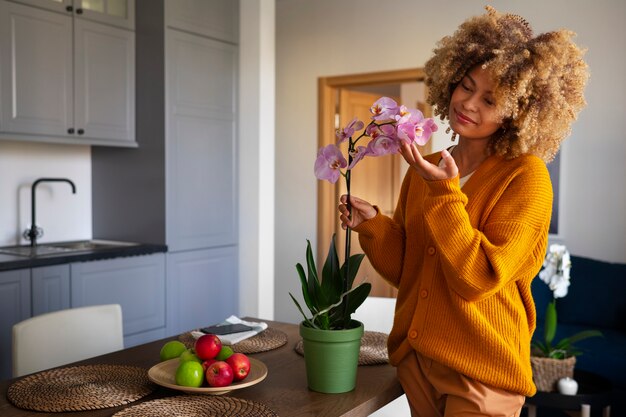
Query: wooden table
[{"x": 284, "y": 390}]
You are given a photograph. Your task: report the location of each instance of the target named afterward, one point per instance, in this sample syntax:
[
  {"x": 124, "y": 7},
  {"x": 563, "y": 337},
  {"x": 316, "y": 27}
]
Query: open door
[{"x": 376, "y": 180}]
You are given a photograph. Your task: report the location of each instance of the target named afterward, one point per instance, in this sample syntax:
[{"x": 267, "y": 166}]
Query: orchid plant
[
  {"x": 332, "y": 301},
  {"x": 556, "y": 274}
]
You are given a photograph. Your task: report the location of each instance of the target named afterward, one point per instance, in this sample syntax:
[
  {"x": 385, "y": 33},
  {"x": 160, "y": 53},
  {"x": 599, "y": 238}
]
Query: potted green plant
[
  {"x": 552, "y": 360},
  {"x": 331, "y": 339}
]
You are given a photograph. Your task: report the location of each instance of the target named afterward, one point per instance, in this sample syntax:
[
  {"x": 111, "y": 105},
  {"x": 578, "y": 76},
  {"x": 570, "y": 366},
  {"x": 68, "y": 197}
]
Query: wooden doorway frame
[{"x": 327, "y": 107}]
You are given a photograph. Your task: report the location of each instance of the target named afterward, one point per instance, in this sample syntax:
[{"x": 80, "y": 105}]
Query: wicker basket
[{"x": 547, "y": 371}]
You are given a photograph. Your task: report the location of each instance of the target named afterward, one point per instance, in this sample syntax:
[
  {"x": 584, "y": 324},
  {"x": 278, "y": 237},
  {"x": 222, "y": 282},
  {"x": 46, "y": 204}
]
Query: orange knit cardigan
[{"x": 463, "y": 261}]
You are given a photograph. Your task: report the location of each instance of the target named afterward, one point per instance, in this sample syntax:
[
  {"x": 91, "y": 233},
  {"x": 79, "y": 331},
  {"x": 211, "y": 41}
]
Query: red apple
[
  {"x": 208, "y": 346},
  {"x": 240, "y": 364},
  {"x": 219, "y": 374},
  {"x": 207, "y": 363}
]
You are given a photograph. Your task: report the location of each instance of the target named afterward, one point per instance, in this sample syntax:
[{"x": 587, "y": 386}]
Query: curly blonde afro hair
[{"x": 539, "y": 80}]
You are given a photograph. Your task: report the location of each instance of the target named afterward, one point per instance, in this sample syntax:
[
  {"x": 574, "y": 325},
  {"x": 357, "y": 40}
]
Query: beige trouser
[{"x": 434, "y": 390}]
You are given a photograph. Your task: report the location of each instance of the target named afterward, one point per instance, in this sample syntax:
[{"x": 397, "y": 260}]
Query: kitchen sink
[{"x": 61, "y": 248}]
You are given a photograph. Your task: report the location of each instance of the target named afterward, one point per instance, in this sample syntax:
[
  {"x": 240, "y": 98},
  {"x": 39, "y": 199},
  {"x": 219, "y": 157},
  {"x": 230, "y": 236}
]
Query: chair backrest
[
  {"x": 376, "y": 314},
  {"x": 65, "y": 336}
]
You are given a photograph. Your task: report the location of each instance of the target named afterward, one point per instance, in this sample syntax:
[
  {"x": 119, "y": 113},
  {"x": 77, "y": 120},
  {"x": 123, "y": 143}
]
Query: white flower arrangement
[
  {"x": 556, "y": 273},
  {"x": 556, "y": 269}
]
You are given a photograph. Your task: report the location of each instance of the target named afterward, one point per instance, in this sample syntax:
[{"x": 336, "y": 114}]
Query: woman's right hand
[{"x": 360, "y": 211}]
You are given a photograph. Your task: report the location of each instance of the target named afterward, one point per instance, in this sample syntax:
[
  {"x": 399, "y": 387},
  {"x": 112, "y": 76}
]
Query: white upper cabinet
[
  {"x": 65, "y": 79},
  {"x": 112, "y": 12},
  {"x": 218, "y": 19}
]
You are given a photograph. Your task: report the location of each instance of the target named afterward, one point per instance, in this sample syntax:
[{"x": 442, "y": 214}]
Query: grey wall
[{"x": 128, "y": 185}]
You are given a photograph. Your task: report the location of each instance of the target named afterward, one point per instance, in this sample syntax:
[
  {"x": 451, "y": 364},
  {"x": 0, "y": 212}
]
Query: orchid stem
[{"x": 346, "y": 283}]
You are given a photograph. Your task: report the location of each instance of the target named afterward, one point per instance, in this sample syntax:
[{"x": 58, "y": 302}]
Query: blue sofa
[{"x": 595, "y": 300}]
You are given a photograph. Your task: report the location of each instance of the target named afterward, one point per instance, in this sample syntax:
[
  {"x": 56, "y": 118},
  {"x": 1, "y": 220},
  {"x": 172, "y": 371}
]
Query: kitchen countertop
[{"x": 9, "y": 262}]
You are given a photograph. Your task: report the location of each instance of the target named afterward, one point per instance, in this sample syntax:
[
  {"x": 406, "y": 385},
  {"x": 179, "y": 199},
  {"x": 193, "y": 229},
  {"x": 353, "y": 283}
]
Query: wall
[
  {"x": 129, "y": 184},
  {"x": 329, "y": 38},
  {"x": 256, "y": 158},
  {"x": 62, "y": 215}
]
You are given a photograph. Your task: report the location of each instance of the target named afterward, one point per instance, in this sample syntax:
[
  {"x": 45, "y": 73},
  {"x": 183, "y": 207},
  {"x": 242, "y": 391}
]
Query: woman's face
[{"x": 473, "y": 110}]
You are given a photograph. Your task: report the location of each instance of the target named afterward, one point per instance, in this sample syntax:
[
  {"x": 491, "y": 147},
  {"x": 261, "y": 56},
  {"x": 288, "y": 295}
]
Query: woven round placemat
[
  {"x": 268, "y": 339},
  {"x": 373, "y": 348},
  {"x": 77, "y": 388},
  {"x": 197, "y": 406}
]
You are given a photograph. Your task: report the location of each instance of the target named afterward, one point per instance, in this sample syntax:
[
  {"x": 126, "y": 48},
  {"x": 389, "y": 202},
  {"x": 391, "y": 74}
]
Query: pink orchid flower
[
  {"x": 328, "y": 163},
  {"x": 384, "y": 108},
  {"x": 413, "y": 127},
  {"x": 349, "y": 130},
  {"x": 359, "y": 153},
  {"x": 383, "y": 145},
  {"x": 428, "y": 127},
  {"x": 374, "y": 131}
]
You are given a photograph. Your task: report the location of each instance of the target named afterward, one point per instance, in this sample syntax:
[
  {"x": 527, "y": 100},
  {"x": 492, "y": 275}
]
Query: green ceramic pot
[{"x": 331, "y": 357}]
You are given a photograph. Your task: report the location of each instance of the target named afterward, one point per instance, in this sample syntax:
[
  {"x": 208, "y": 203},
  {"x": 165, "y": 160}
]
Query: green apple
[
  {"x": 172, "y": 349},
  {"x": 190, "y": 374},
  {"x": 224, "y": 353},
  {"x": 189, "y": 356}
]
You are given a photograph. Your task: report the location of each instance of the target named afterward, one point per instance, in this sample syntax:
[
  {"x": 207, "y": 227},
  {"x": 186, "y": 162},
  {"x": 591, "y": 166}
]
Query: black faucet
[{"x": 34, "y": 232}]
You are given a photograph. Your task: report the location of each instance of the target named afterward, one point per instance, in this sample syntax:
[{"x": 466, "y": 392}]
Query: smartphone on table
[{"x": 226, "y": 329}]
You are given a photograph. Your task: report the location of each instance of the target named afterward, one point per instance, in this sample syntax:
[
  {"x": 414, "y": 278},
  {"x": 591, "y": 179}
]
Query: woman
[{"x": 470, "y": 229}]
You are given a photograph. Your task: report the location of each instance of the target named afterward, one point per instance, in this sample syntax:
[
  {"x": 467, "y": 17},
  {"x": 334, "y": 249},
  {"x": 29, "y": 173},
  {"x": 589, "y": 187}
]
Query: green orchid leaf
[
  {"x": 354, "y": 263},
  {"x": 312, "y": 281},
  {"x": 566, "y": 342},
  {"x": 550, "y": 326},
  {"x": 308, "y": 298},
  {"x": 585, "y": 334},
  {"x": 541, "y": 347},
  {"x": 575, "y": 352},
  {"x": 331, "y": 279},
  {"x": 311, "y": 324},
  {"x": 358, "y": 296},
  {"x": 557, "y": 354}
]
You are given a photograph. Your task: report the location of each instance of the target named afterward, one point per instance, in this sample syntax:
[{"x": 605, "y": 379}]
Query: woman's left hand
[{"x": 427, "y": 170}]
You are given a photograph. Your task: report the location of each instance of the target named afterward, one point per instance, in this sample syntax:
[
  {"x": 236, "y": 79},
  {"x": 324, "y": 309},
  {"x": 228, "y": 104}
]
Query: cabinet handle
[
  {"x": 69, "y": 8},
  {"x": 70, "y": 130},
  {"x": 80, "y": 131},
  {"x": 79, "y": 11}
]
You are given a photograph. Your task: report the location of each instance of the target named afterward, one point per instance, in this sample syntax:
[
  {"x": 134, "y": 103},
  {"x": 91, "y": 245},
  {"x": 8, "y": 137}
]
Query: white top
[{"x": 462, "y": 180}]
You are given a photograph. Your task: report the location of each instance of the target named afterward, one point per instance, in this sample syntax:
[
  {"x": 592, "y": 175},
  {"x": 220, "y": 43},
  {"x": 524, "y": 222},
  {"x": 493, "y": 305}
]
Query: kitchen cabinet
[
  {"x": 202, "y": 288},
  {"x": 112, "y": 12},
  {"x": 201, "y": 200},
  {"x": 137, "y": 283},
  {"x": 50, "y": 288},
  {"x": 186, "y": 168},
  {"x": 65, "y": 79},
  {"x": 14, "y": 307},
  {"x": 217, "y": 19}
]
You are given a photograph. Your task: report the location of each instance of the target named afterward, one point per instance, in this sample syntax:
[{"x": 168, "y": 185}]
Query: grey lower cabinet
[
  {"x": 202, "y": 288},
  {"x": 50, "y": 288},
  {"x": 137, "y": 283},
  {"x": 14, "y": 307}
]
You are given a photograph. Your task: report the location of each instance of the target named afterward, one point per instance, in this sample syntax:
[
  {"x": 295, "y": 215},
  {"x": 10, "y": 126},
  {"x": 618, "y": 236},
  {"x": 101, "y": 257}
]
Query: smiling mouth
[{"x": 463, "y": 118}]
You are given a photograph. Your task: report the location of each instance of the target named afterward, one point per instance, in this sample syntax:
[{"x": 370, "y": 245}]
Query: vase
[
  {"x": 548, "y": 371},
  {"x": 331, "y": 357}
]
